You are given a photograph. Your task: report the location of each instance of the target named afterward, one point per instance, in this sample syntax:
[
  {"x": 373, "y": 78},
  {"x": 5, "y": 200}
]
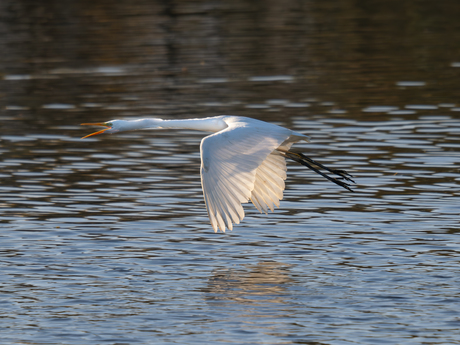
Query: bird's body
[{"x": 244, "y": 159}]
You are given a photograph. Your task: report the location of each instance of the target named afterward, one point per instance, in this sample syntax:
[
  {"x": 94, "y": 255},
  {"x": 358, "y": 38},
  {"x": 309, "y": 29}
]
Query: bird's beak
[{"x": 96, "y": 124}]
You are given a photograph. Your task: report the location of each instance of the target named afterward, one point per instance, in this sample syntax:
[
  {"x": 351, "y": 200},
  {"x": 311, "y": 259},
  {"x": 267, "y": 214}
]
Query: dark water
[{"x": 106, "y": 240}]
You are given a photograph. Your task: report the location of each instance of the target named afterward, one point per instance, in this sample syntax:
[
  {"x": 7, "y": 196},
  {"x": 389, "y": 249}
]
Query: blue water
[
  {"x": 111, "y": 243},
  {"x": 107, "y": 241}
]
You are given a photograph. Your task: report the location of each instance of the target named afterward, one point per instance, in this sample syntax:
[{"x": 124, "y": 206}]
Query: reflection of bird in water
[
  {"x": 243, "y": 160},
  {"x": 265, "y": 281}
]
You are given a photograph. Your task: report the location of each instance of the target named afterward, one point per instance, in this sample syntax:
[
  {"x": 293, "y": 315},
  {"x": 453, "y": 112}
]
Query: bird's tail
[{"x": 315, "y": 166}]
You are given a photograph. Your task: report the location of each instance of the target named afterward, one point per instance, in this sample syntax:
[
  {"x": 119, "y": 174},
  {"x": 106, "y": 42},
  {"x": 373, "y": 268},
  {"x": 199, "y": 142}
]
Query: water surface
[{"x": 106, "y": 240}]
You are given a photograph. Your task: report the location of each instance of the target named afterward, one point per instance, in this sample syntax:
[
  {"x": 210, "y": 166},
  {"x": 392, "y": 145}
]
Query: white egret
[{"x": 244, "y": 159}]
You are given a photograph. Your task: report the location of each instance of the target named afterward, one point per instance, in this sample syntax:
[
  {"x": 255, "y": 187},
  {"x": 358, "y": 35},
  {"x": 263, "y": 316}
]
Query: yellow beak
[{"x": 95, "y": 124}]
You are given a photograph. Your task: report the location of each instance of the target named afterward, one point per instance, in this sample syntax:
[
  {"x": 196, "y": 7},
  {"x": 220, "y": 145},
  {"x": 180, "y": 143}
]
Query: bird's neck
[{"x": 209, "y": 124}]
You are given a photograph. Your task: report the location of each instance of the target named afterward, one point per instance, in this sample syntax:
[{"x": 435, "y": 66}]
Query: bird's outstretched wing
[
  {"x": 238, "y": 164},
  {"x": 269, "y": 182}
]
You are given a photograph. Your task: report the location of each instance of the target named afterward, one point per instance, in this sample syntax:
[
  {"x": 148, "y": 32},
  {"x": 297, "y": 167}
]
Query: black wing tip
[
  {"x": 345, "y": 185},
  {"x": 308, "y": 162},
  {"x": 346, "y": 176}
]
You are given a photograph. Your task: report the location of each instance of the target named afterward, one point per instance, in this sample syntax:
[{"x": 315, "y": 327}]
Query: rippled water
[{"x": 107, "y": 241}]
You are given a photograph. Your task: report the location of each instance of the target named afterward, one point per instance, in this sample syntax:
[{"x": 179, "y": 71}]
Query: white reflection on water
[{"x": 112, "y": 234}]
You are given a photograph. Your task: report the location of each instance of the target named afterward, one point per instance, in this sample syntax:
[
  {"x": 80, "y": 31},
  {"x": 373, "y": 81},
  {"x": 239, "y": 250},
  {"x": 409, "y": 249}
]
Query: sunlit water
[{"x": 107, "y": 241}]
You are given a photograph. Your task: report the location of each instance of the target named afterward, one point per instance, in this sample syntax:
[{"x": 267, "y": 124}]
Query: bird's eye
[{"x": 109, "y": 124}]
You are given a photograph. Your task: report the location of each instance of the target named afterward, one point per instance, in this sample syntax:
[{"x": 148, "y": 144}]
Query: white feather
[{"x": 241, "y": 163}]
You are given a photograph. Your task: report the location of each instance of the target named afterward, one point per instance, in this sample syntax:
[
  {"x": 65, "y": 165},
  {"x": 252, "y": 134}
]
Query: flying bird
[{"x": 243, "y": 159}]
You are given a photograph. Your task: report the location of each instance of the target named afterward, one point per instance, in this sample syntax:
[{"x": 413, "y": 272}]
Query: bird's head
[
  {"x": 115, "y": 126},
  {"x": 111, "y": 127}
]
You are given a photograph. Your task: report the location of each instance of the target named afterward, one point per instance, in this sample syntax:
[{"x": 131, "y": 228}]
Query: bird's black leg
[{"x": 308, "y": 162}]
